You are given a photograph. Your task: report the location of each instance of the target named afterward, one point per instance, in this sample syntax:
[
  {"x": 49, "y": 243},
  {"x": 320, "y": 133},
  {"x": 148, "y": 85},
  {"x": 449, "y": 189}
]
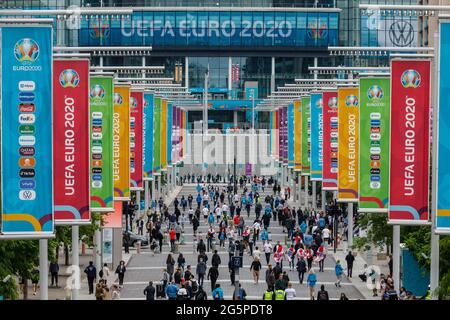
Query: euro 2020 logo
[
  {"x": 118, "y": 98},
  {"x": 410, "y": 79},
  {"x": 133, "y": 103},
  {"x": 333, "y": 102},
  {"x": 375, "y": 92},
  {"x": 351, "y": 101},
  {"x": 26, "y": 50},
  {"x": 319, "y": 103},
  {"x": 69, "y": 78},
  {"x": 97, "y": 92}
]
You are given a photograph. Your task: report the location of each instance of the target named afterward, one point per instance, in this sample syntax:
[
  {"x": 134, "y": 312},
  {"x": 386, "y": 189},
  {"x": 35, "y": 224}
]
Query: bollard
[
  {"x": 138, "y": 247},
  {"x": 83, "y": 248}
]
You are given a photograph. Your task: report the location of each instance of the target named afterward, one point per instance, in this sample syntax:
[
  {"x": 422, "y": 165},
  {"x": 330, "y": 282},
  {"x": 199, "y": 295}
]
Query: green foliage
[
  {"x": 443, "y": 292},
  {"x": 378, "y": 231}
]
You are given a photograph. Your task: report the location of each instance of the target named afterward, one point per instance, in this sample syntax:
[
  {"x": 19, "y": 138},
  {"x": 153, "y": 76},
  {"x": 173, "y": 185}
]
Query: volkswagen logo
[{"x": 401, "y": 33}]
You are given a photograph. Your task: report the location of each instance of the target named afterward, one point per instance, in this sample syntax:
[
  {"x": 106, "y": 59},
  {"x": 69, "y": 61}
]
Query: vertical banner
[
  {"x": 443, "y": 133},
  {"x": 306, "y": 136},
  {"x": 348, "y": 114},
  {"x": 156, "y": 136},
  {"x": 330, "y": 140},
  {"x": 121, "y": 145},
  {"x": 174, "y": 135},
  {"x": 113, "y": 219},
  {"x": 163, "y": 135},
  {"x": 298, "y": 135},
  {"x": 316, "y": 136},
  {"x": 26, "y": 130},
  {"x": 409, "y": 148},
  {"x": 148, "y": 136},
  {"x": 280, "y": 135},
  {"x": 71, "y": 141},
  {"x": 290, "y": 136},
  {"x": 271, "y": 133},
  {"x": 169, "y": 133},
  {"x": 277, "y": 135},
  {"x": 107, "y": 251},
  {"x": 136, "y": 140},
  {"x": 182, "y": 135},
  {"x": 101, "y": 94},
  {"x": 375, "y": 99}
]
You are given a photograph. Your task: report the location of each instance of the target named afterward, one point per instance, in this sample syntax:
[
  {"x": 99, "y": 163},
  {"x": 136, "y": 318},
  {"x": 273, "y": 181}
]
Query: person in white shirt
[
  {"x": 205, "y": 211},
  {"x": 326, "y": 236},
  {"x": 225, "y": 208},
  {"x": 267, "y": 248},
  {"x": 289, "y": 293},
  {"x": 257, "y": 253}
]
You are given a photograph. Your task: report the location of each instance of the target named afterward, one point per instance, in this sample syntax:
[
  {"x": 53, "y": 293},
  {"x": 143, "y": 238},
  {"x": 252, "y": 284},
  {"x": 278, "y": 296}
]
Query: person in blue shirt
[
  {"x": 199, "y": 188},
  {"x": 321, "y": 222},
  {"x": 308, "y": 239},
  {"x": 264, "y": 235},
  {"x": 217, "y": 294},
  {"x": 339, "y": 272},
  {"x": 303, "y": 227},
  {"x": 171, "y": 291},
  {"x": 211, "y": 219},
  {"x": 199, "y": 200},
  {"x": 311, "y": 282}
]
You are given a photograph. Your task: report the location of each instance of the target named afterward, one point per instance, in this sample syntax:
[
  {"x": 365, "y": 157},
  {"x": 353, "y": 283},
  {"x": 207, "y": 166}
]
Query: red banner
[
  {"x": 409, "y": 147},
  {"x": 71, "y": 140},
  {"x": 136, "y": 135},
  {"x": 330, "y": 140}
]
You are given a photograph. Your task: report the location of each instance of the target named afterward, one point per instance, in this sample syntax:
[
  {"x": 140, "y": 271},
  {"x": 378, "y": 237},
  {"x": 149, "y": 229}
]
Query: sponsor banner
[
  {"x": 136, "y": 140},
  {"x": 375, "y": 100},
  {"x": 107, "y": 237},
  {"x": 348, "y": 129},
  {"x": 290, "y": 136},
  {"x": 121, "y": 143},
  {"x": 330, "y": 140},
  {"x": 26, "y": 130},
  {"x": 71, "y": 141},
  {"x": 113, "y": 219},
  {"x": 101, "y": 143},
  {"x": 298, "y": 135},
  {"x": 148, "y": 136},
  {"x": 169, "y": 133},
  {"x": 163, "y": 134},
  {"x": 443, "y": 141},
  {"x": 284, "y": 135},
  {"x": 157, "y": 136},
  {"x": 306, "y": 136},
  {"x": 409, "y": 149},
  {"x": 316, "y": 136}
]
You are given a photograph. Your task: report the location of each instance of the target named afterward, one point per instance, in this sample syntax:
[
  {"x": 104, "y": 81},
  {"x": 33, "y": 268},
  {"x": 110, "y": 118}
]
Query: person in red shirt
[
  {"x": 236, "y": 220},
  {"x": 172, "y": 237}
]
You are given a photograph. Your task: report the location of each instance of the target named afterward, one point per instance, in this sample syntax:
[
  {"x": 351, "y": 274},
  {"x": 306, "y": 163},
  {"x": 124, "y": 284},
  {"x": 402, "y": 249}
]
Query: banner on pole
[
  {"x": 169, "y": 133},
  {"x": 348, "y": 114},
  {"x": 316, "y": 136},
  {"x": 148, "y": 136},
  {"x": 330, "y": 140},
  {"x": 101, "y": 143},
  {"x": 409, "y": 148},
  {"x": 375, "y": 100},
  {"x": 163, "y": 135},
  {"x": 26, "y": 130},
  {"x": 136, "y": 140},
  {"x": 156, "y": 136},
  {"x": 298, "y": 135},
  {"x": 114, "y": 219},
  {"x": 306, "y": 136},
  {"x": 121, "y": 143},
  {"x": 290, "y": 136},
  {"x": 71, "y": 141}
]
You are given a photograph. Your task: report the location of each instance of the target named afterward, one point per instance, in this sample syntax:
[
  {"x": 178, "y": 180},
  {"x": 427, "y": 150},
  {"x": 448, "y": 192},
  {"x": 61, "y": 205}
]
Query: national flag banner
[
  {"x": 101, "y": 95},
  {"x": 136, "y": 139},
  {"x": 290, "y": 136},
  {"x": 163, "y": 134},
  {"x": 330, "y": 140},
  {"x": 443, "y": 133},
  {"x": 409, "y": 147},
  {"x": 148, "y": 136},
  {"x": 298, "y": 135},
  {"x": 316, "y": 136},
  {"x": 374, "y": 126},
  {"x": 157, "y": 136},
  {"x": 71, "y": 141},
  {"x": 121, "y": 143},
  {"x": 348, "y": 130},
  {"x": 306, "y": 135},
  {"x": 26, "y": 63}
]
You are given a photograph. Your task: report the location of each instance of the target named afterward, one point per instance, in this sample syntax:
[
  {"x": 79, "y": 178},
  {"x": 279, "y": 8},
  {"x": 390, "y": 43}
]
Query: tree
[{"x": 378, "y": 232}]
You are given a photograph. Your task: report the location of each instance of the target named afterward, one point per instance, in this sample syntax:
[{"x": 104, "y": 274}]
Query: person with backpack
[
  {"x": 311, "y": 282},
  {"x": 322, "y": 294},
  {"x": 201, "y": 294},
  {"x": 172, "y": 291},
  {"x": 217, "y": 294},
  {"x": 104, "y": 272},
  {"x": 149, "y": 291},
  {"x": 182, "y": 293},
  {"x": 301, "y": 269},
  {"x": 241, "y": 295}
]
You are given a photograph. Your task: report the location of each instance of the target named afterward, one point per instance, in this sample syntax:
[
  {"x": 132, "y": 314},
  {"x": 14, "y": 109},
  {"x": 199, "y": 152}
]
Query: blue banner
[
  {"x": 290, "y": 135},
  {"x": 214, "y": 29},
  {"x": 26, "y": 130},
  {"x": 316, "y": 136},
  {"x": 169, "y": 132},
  {"x": 443, "y": 172},
  {"x": 147, "y": 141}
]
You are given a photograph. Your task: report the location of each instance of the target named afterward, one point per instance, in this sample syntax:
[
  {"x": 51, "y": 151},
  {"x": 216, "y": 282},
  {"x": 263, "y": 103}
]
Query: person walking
[
  {"x": 217, "y": 294},
  {"x": 301, "y": 269},
  {"x": 339, "y": 271},
  {"x": 350, "y": 258},
  {"x": 173, "y": 238},
  {"x": 54, "y": 270},
  {"x": 213, "y": 275},
  {"x": 201, "y": 271},
  {"x": 322, "y": 294},
  {"x": 256, "y": 268},
  {"x": 290, "y": 292},
  {"x": 267, "y": 251},
  {"x": 120, "y": 270},
  {"x": 170, "y": 266},
  {"x": 215, "y": 260},
  {"x": 311, "y": 281},
  {"x": 149, "y": 291},
  {"x": 181, "y": 262},
  {"x": 91, "y": 273}
]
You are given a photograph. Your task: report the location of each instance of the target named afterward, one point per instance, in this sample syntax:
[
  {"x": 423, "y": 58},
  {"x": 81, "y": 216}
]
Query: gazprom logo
[
  {"x": 375, "y": 92},
  {"x": 69, "y": 78},
  {"x": 411, "y": 78},
  {"x": 351, "y": 101},
  {"x": 26, "y": 50}
]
